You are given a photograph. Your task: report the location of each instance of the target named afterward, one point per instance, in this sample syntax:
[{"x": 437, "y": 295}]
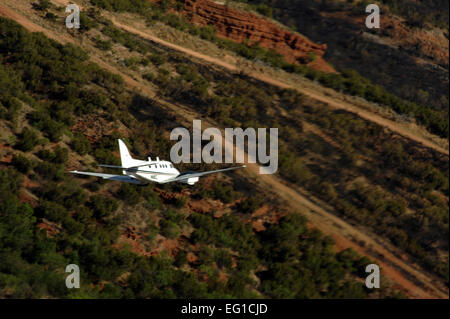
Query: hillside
[
  {"x": 368, "y": 181},
  {"x": 408, "y": 55}
]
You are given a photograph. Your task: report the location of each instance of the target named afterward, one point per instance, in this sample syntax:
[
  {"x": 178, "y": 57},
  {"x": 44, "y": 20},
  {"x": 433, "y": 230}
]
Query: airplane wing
[
  {"x": 135, "y": 169},
  {"x": 187, "y": 175},
  {"x": 120, "y": 178}
]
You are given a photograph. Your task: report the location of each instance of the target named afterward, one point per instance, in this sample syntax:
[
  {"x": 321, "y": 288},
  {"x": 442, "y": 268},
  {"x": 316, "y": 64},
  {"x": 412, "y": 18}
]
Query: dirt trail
[
  {"x": 415, "y": 283},
  {"x": 11, "y": 14}
]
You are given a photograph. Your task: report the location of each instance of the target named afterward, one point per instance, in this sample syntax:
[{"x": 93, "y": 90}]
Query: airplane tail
[{"x": 125, "y": 157}]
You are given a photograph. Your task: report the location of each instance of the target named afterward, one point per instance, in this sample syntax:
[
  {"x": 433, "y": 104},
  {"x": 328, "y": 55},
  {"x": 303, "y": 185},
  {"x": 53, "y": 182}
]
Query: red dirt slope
[{"x": 241, "y": 26}]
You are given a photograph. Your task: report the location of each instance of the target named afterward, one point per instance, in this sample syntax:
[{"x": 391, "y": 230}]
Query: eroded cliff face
[{"x": 241, "y": 26}]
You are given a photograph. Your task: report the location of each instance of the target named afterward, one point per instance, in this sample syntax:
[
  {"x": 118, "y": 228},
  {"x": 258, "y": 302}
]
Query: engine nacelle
[{"x": 191, "y": 181}]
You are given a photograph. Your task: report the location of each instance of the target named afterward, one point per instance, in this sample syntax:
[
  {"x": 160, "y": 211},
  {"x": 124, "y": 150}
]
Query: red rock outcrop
[{"x": 241, "y": 26}]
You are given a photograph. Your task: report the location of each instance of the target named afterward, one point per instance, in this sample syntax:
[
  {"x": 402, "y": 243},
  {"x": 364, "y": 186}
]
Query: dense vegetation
[{"x": 49, "y": 219}]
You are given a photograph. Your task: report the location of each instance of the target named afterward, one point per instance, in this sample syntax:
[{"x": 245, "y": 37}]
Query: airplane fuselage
[{"x": 164, "y": 167}]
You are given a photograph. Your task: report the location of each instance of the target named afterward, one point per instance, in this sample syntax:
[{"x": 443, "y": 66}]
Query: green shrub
[
  {"x": 102, "y": 206},
  {"x": 158, "y": 59},
  {"x": 86, "y": 23},
  {"x": 104, "y": 45},
  {"x": 264, "y": 10},
  {"x": 22, "y": 163},
  {"x": 149, "y": 76},
  {"x": 223, "y": 258},
  {"x": 225, "y": 193},
  {"x": 50, "y": 16},
  {"x": 80, "y": 144},
  {"x": 128, "y": 194},
  {"x": 50, "y": 171},
  {"x": 169, "y": 229},
  {"x": 52, "y": 211},
  {"x": 42, "y": 5},
  {"x": 180, "y": 258},
  {"x": 59, "y": 156},
  {"x": 180, "y": 202},
  {"x": 42, "y": 121},
  {"x": 28, "y": 140}
]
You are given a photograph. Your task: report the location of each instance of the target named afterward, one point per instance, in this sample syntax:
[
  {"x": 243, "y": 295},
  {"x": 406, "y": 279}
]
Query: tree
[
  {"x": 102, "y": 206},
  {"x": 28, "y": 140},
  {"x": 250, "y": 204},
  {"x": 80, "y": 144},
  {"x": 22, "y": 163},
  {"x": 42, "y": 5}
]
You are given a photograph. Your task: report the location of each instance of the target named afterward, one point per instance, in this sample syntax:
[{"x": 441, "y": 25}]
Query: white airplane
[{"x": 142, "y": 172}]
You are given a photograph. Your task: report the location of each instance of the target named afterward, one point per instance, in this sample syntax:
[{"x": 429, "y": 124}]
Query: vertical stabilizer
[{"x": 125, "y": 157}]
